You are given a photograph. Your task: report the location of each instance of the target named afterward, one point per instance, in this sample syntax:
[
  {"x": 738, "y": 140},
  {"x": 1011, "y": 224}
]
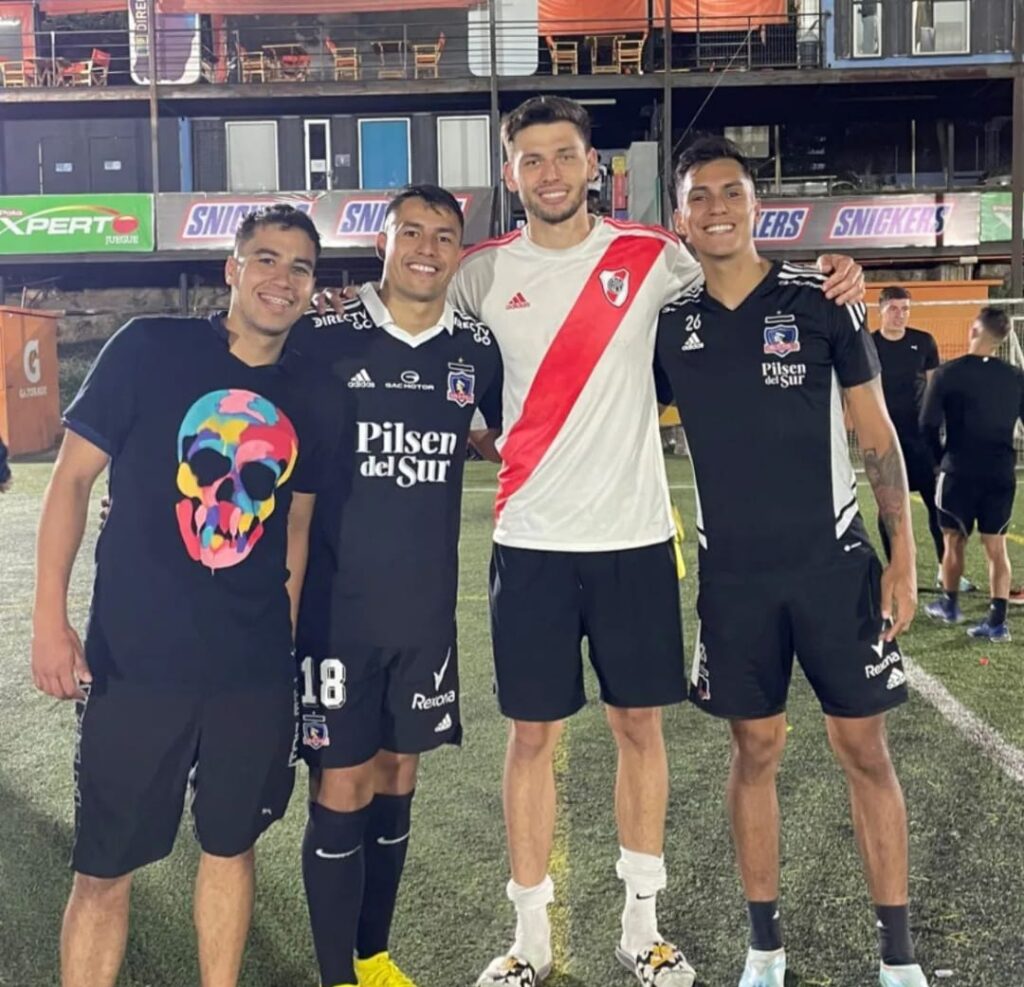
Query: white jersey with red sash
[{"x": 582, "y": 465}]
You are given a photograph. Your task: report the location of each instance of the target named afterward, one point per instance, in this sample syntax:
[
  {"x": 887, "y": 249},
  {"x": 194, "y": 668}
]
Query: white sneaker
[
  {"x": 659, "y": 965},
  {"x": 902, "y": 976},
  {"x": 513, "y": 971},
  {"x": 764, "y": 968}
]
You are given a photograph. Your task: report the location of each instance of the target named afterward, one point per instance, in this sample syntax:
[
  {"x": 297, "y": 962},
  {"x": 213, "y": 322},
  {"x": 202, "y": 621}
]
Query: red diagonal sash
[{"x": 571, "y": 359}]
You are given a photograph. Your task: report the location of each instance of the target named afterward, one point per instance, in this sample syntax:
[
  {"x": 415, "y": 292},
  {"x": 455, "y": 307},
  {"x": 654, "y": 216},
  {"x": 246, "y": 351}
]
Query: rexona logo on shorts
[
  {"x": 362, "y": 216},
  {"x": 76, "y": 224}
]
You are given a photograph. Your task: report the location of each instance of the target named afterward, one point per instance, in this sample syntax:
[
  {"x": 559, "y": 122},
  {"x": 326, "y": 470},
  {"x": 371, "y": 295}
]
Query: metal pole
[
  {"x": 154, "y": 112},
  {"x": 666, "y": 120},
  {"x": 183, "y": 293},
  {"x": 778, "y": 158},
  {"x": 913, "y": 153},
  {"x": 496, "y": 180},
  {"x": 950, "y": 153},
  {"x": 1017, "y": 177}
]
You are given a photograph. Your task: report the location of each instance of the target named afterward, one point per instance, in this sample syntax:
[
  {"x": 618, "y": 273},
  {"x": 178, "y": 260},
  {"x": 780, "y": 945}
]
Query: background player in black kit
[
  {"x": 377, "y": 641},
  {"x": 214, "y": 432},
  {"x": 757, "y": 359},
  {"x": 980, "y": 398},
  {"x": 908, "y": 357}
]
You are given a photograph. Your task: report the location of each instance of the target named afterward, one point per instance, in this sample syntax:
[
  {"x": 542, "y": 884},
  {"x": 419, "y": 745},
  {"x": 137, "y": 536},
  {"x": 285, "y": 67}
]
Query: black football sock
[
  {"x": 997, "y": 612},
  {"x": 386, "y": 843},
  {"x": 333, "y": 870},
  {"x": 952, "y": 598},
  {"x": 894, "y": 934},
  {"x": 765, "y": 927}
]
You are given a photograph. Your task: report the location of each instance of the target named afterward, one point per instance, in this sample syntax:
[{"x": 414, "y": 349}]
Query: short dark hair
[
  {"x": 707, "y": 149},
  {"x": 281, "y": 215},
  {"x": 995, "y": 322},
  {"x": 439, "y": 199},
  {"x": 893, "y": 293},
  {"x": 545, "y": 109}
]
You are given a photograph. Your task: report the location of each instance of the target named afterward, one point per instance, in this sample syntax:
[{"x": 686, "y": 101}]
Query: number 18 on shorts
[{"x": 359, "y": 699}]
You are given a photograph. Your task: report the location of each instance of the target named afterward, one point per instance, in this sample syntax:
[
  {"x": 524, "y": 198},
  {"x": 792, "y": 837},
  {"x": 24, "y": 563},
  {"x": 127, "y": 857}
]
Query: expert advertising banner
[{"x": 76, "y": 224}]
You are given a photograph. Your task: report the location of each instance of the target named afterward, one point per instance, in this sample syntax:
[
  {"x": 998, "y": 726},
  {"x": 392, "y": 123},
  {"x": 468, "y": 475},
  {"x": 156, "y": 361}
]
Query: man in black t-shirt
[
  {"x": 980, "y": 398},
  {"x": 215, "y": 436},
  {"x": 377, "y": 651},
  {"x": 908, "y": 357},
  {"x": 5, "y": 470},
  {"x": 760, "y": 363}
]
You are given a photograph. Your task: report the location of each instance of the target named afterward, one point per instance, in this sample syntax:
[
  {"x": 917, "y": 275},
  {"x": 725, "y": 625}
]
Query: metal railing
[{"x": 351, "y": 51}]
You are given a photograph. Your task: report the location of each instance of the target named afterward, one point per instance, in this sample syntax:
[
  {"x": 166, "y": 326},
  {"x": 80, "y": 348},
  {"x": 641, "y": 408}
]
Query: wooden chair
[
  {"x": 608, "y": 43},
  {"x": 76, "y": 73},
  {"x": 12, "y": 74},
  {"x": 252, "y": 65},
  {"x": 346, "y": 62},
  {"x": 564, "y": 55},
  {"x": 427, "y": 58},
  {"x": 629, "y": 54},
  {"x": 100, "y": 67}
]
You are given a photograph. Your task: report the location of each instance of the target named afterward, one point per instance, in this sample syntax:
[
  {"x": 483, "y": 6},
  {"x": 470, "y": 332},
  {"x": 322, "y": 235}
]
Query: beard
[{"x": 534, "y": 206}]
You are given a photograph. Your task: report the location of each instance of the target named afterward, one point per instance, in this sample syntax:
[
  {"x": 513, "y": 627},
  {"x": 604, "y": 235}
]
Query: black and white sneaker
[
  {"x": 659, "y": 965},
  {"x": 513, "y": 971}
]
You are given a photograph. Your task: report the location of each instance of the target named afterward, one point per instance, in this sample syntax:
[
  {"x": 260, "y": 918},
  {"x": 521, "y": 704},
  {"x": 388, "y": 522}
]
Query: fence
[{"x": 251, "y": 52}]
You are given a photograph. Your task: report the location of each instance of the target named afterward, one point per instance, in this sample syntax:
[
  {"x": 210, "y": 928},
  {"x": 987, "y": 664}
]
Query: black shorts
[
  {"x": 626, "y": 604},
  {"x": 143, "y": 750},
  {"x": 358, "y": 699},
  {"x": 829, "y": 619},
  {"x": 965, "y": 500}
]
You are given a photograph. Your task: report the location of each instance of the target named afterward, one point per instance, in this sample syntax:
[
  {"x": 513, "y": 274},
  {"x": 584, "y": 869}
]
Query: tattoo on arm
[{"x": 888, "y": 479}]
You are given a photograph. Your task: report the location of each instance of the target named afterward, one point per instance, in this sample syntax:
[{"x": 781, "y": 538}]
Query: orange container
[{"x": 29, "y": 391}]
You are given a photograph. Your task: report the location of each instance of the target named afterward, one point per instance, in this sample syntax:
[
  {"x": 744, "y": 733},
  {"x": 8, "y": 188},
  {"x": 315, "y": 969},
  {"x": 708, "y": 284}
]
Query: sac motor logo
[{"x": 84, "y": 222}]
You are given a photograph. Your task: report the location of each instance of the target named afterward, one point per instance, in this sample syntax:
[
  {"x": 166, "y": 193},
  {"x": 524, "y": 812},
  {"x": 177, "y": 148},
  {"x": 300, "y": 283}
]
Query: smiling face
[
  {"x": 896, "y": 314},
  {"x": 717, "y": 209},
  {"x": 421, "y": 245},
  {"x": 549, "y": 166},
  {"x": 271, "y": 279}
]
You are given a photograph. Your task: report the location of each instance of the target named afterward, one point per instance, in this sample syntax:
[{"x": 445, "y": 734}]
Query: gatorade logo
[{"x": 31, "y": 363}]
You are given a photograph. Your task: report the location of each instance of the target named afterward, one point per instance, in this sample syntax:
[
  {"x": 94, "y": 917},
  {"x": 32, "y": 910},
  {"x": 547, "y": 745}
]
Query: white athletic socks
[
  {"x": 533, "y": 930},
  {"x": 644, "y": 876}
]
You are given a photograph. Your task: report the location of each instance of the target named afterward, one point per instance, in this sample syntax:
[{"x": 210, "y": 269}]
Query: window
[
  {"x": 318, "y": 155},
  {"x": 464, "y": 151},
  {"x": 252, "y": 156},
  {"x": 754, "y": 142},
  {"x": 941, "y": 27},
  {"x": 867, "y": 28}
]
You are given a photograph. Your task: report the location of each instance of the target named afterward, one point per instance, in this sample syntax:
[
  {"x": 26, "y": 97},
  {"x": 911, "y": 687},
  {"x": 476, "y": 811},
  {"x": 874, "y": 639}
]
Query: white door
[
  {"x": 464, "y": 152},
  {"x": 318, "y": 155},
  {"x": 252, "y": 156}
]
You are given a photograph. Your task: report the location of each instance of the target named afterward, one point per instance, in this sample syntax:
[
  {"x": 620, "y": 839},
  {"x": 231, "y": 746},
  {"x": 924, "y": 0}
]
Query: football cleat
[
  {"x": 659, "y": 965},
  {"x": 941, "y": 610},
  {"x": 902, "y": 976},
  {"x": 380, "y": 971},
  {"x": 764, "y": 969},
  {"x": 996, "y": 633},
  {"x": 513, "y": 971}
]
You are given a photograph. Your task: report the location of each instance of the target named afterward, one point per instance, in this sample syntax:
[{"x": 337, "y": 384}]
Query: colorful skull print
[{"x": 234, "y": 450}]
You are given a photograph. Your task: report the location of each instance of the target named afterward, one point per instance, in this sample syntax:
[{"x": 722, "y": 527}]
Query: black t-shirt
[
  {"x": 759, "y": 395},
  {"x": 980, "y": 398},
  {"x": 205, "y": 453},
  {"x": 384, "y": 559},
  {"x": 905, "y": 363}
]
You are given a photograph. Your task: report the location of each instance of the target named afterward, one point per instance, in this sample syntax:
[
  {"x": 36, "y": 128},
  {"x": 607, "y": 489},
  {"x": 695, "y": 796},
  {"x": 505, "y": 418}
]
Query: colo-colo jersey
[
  {"x": 582, "y": 463},
  {"x": 981, "y": 398},
  {"x": 383, "y": 564},
  {"x": 205, "y": 452},
  {"x": 759, "y": 395}
]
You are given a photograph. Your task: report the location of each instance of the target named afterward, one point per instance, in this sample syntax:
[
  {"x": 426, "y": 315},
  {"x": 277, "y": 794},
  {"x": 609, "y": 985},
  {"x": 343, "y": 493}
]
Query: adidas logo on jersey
[
  {"x": 693, "y": 342},
  {"x": 445, "y": 724},
  {"x": 361, "y": 379},
  {"x": 896, "y": 679},
  {"x": 518, "y": 300}
]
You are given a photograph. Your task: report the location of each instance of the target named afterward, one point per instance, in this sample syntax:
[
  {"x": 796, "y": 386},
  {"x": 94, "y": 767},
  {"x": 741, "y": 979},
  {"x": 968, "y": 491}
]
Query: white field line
[{"x": 1009, "y": 759}]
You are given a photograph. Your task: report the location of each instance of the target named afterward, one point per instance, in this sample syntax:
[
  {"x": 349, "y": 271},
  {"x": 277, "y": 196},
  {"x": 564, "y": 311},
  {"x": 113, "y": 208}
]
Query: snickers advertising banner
[
  {"x": 840, "y": 224},
  {"x": 346, "y": 220}
]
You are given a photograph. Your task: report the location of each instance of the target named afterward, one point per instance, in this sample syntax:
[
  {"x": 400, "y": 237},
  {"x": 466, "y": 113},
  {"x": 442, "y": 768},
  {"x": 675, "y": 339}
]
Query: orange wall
[
  {"x": 29, "y": 391},
  {"x": 947, "y": 323}
]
